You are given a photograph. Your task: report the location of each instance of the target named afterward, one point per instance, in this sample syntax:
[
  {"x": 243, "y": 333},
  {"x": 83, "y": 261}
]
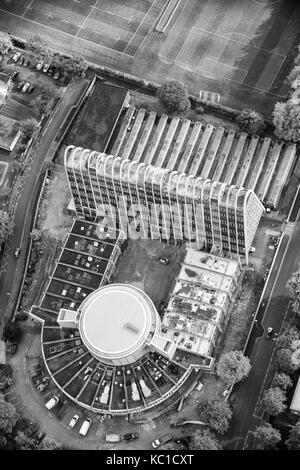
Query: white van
[
  {"x": 51, "y": 403},
  {"x": 85, "y": 426}
]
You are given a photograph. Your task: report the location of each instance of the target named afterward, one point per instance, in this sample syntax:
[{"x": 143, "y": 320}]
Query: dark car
[
  {"x": 31, "y": 88},
  {"x": 269, "y": 333},
  {"x": 51, "y": 70},
  {"x": 14, "y": 75},
  {"x": 20, "y": 85},
  {"x": 130, "y": 436},
  {"x": 21, "y": 60},
  {"x": 40, "y": 437}
]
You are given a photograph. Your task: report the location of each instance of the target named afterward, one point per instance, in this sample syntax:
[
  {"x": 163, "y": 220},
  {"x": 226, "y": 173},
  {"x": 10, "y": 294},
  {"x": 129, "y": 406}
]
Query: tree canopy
[
  {"x": 27, "y": 127},
  {"x": 43, "y": 103},
  {"x": 39, "y": 49},
  {"x": 5, "y": 43},
  {"x": 251, "y": 121},
  {"x": 266, "y": 437},
  {"x": 273, "y": 401},
  {"x": 233, "y": 367},
  {"x": 286, "y": 119},
  {"x": 216, "y": 413},
  {"x": 293, "y": 442},
  {"x": 282, "y": 380},
  {"x": 204, "y": 439},
  {"x": 6, "y": 225},
  {"x": 293, "y": 286},
  {"x": 12, "y": 332},
  {"x": 8, "y": 416},
  {"x": 174, "y": 96}
]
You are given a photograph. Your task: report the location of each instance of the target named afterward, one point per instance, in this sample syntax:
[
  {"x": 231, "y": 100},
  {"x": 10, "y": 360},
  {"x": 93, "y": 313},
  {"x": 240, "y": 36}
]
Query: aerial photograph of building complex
[{"x": 150, "y": 227}]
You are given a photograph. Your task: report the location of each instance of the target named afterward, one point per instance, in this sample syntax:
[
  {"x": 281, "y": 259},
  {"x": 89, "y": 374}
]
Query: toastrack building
[{"x": 162, "y": 204}]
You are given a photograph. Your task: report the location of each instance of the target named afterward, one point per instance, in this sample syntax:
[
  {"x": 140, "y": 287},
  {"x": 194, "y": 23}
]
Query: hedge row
[{"x": 152, "y": 88}]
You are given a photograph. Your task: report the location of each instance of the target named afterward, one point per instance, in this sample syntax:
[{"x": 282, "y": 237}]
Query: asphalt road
[
  {"x": 246, "y": 414},
  {"x": 29, "y": 187}
]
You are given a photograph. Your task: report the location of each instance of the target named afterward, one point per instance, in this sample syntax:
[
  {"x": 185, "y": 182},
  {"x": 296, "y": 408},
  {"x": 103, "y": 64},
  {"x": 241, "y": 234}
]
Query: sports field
[
  {"x": 118, "y": 25},
  {"x": 242, "y": 49}
]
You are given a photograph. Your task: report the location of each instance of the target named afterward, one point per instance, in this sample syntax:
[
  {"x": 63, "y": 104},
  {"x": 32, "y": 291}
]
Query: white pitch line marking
[
  {"x": 87, "y": 17},
  {"x": 28, "y": 7}
]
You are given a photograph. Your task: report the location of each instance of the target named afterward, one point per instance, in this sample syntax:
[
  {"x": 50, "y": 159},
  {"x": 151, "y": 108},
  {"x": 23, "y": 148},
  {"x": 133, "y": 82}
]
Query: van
[
  {"x": 85, "y": 426},
  {"x": 51, "y": 403},
  {"x": 113, "y": 437}
]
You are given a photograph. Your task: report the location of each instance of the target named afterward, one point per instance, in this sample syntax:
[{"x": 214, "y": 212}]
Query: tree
[
  {"x": 173, "y": 445},
  {"x": 273, "y": 401},
  {"x": 282, "y": 381},
  {"x": 284, "y": 362},
  {"x": 6, "y": 225},
  {"x": 3, "y": 442},
  {"x": 49, "y": 444},
  {"x": 287, "y": 337},
  {"x": 216, "y": 413},
  {"x": 293, "y": 442},
  {"x": 39, "y": 49},
  {"x": 173, "y": 95},
  {"x": 293, "y": 286},
  {"x": 75, "y": 65},
  {"x": 36, "y": 234},
  {"x": 203, "y": 439},
  {"x": 43, "y": 103},
  {"x": 24, "y": 442},
  {"x": 286, "y": 119},
  {"x": 28, "y": 127},
  {"x": 251, "y": 121},
  {"x": 265, "y": 437},
  {"x": 233, "y": 367},
  {"x": 12, "y": 332},
  {"x": 5, "y": 43},
  {"x": 8, "y": 416}
]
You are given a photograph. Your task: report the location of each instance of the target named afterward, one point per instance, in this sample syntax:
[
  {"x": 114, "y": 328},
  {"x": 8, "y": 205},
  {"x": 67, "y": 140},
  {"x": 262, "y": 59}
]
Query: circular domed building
[{"x": 117, "y": 323}]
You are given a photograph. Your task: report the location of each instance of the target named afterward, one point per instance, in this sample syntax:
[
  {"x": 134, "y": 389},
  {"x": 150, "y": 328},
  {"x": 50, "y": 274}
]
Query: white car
[
  {"x": 46, "y": 67},
  {"x": 16, "y": 56},
  {"x": 73, "y": 421},
  {"x": 25, "y": 87},
  {"x": 39, "y": 65}
]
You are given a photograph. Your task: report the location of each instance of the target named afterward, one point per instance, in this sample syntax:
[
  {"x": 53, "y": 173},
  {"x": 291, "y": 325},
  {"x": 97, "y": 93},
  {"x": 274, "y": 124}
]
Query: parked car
[
  {"x": 20, "y": 85},
  {"x": 25, "y": 87},
  {"x": 31, "y": 88},
  {"x": 85, "y": 427},
  {"x": 252, "y": 249},
  {"x": 46, "y": 68},
  {"x": 40, "y": 437},
  {"x": 130, "y": 436},
  {"x": 57, "y": 75},
  {"x": 39, "y": 65},
  {"x": 26, "y": 62},
  {"x": 73, "y": 421},
  {"x": 16, "y": 56},
  {"x": 269, "y": 332},
  {"x": 51, "y": 70},
  {"x": 163, "y": 260},
  {"x": 17, "y": 252},
  {"x": 52, "y": 402},
  {"x": 113, "y": 437},
  {"x": 159, "y": 441},
  {"x": 21, "y": 60},
  {"x": 14, "y": 75}
]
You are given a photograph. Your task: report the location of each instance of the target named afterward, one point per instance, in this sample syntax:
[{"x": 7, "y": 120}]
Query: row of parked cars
[{"x": 20, "y": 59}]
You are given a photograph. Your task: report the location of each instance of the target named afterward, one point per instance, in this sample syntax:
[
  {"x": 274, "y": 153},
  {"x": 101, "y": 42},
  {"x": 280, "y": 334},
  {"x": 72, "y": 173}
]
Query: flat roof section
[
  {"x": 98, "y": 121},
  {"x": 115, "y": 320}
]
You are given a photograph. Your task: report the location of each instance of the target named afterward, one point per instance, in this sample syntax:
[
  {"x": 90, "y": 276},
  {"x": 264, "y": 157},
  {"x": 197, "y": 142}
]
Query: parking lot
[{"x": 139, "y": 265}]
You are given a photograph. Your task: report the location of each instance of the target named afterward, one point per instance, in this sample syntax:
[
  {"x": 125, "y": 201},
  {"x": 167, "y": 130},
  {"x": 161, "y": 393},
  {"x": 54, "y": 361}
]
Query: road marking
[
  {"x": 116, "y": 14},
  {"x": 87, "y": 17}
]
